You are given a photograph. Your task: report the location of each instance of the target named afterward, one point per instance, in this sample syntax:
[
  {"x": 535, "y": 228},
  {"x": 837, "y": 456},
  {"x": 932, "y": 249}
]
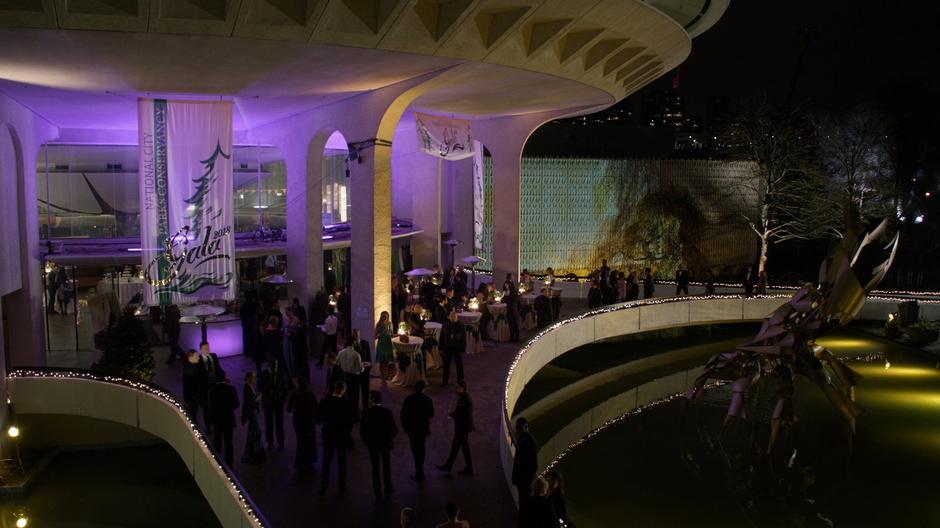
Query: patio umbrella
[
  {"x": 473, "y": 260},
  {"x": 419, "y": 272},
  {"x": 453, "y": 245},
  {"x": 277, "y": 278}
]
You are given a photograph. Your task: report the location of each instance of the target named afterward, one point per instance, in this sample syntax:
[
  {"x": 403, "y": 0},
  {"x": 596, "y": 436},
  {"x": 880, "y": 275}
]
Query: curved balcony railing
[
  {"x": 630, "y": 318},
  {"x": 144, "y": 406}
]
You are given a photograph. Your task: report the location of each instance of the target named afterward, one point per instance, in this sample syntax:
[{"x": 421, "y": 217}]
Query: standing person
[
  {"x": 64, "y": 289},
  {"x": 512, "y": 310},
  {"x": 223, "y": 400},
  {"x": 336, "y": 415},
  {"x": 463, "y": 426},
  {"x": 350, "y": 362},
  {"x": 709, "y": 282},
  {"x": 330, "y": 325},
  {"x": 52, "y": 286},
  {"x": 543, "y": 309},
  {"x": 595, "y": 296},
  {"x": 556, "y": 495},
  {"x": 251, "y": 401},
  {"x": 416, "y": 413},
  {"x": 452, "y": 521},
  {"x": 454, "y": 343},
  {"x": 275, "y": 386},
  {"x": 333, "y": 373},
  {"x": 383, "y": 344},
  {"x": 748, "y": 281},
  {"x": 649, "y": 284},
  {"x": 541, "y": 513},
  {"x": 525, "y": 465},
  {"x": 682, "y": 281},
  {"x": 633, "y": 289},
  {"x": 302, "y": 404},
  {"x": 365, "y": 354},
  {"x": 171, "y": 326},
  {"x": 192, "y": 383},
  {"x": 210, "y": 373},
  {"x": 378, "y": 431}
]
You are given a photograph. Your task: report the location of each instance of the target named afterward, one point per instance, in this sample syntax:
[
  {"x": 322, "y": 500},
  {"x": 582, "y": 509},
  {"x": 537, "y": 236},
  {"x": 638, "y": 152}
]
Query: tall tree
[
  {"x": 791, "y": 194},
  {"x": 854, "y": 149}
]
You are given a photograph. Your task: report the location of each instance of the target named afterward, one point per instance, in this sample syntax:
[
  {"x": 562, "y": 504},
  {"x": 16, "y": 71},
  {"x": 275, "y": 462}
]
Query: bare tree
[
  {"x": 854, "y": 150},
  {"x": 791, "y": 194}
]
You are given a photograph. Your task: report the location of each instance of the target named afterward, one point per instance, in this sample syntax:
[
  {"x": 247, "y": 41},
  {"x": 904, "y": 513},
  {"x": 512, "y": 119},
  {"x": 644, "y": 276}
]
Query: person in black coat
[
  {"x": 365, "y": 352},
  {"x": 378, "y": 431},
  {"x": 463, "y": 426},
  {"x": 192, "y": 383},
  {"x": 336, "y": 415},
  {"x": 541, "y": 513},
  {"x": 595, "y": 296},
  {"x": 223, "y": 400},
  {"x": 416, "y": 413},
  {"x": 275, "y": 386},
  {"x": 525, "y": 465},
  {"x": 210, "y": 373},
  {"x": 512, "y": 310},
  {"x": 453, "y": 345},
  {"x": 543, "y": 309},
  {"x": 649, "y": 284},
  {"x": 302, "y": 404}
]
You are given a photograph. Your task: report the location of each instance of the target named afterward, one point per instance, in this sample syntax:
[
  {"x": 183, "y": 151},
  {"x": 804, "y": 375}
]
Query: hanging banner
[
  {"x": 479, "y": 198},
  {"x": 444, "y": 137},
  {"x": 186, "y": 201}
]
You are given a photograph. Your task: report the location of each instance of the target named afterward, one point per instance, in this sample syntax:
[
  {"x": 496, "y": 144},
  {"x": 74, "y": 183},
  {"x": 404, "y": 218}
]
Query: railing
[
  {"x": 630, "y": 318},
  {"x": 146, "y": 407}
]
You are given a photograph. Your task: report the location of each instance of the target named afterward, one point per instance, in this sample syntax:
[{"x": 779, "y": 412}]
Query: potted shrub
[
  {"x": 922, "y": 332},
  {"x": 126, "y": 350}
]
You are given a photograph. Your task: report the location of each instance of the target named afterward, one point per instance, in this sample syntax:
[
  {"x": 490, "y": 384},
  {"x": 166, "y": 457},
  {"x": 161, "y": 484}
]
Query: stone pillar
[
  {"x": 304, "y": 217},
  {"x": 371, "y": 226},
  {"x": 417, "y": 192}
]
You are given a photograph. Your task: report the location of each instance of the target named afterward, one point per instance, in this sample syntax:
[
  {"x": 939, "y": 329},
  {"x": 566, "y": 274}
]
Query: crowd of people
[{"x": 611, "y": 286}]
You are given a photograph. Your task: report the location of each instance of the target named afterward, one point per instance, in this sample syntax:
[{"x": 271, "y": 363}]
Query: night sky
[{"x": 872, "y": 51}]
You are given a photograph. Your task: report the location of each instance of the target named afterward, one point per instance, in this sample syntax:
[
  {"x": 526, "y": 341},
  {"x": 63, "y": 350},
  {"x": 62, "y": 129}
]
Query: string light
[{"x": 248, "y": 509}]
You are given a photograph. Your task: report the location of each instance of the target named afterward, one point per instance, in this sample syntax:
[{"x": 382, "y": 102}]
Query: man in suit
[
  {"x": 524, "y": 467},
  {"x": 275, "y": 386},
  {"x": 192, "y": 383},
  {"x": 543, "y": 309},
  {"x": 416, "y": 413},
  {"x": 453, "y": 345},
  {"x": 210, "y": 373},
  {"x": 649, "y": 284},
  {"x": 336, "y": 415},
  {"x": 365, "y": 355},
  {"x": 378, "y": 432},
  {"x": 223, "y": 400},
  {"x": 463, "y": 426},
  {"x": 302, "y": 404}
]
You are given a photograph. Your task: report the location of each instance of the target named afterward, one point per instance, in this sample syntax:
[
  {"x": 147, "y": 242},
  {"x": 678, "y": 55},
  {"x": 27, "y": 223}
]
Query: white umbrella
[
  {"x": 473, "y": 260},
  {"x": 419, "y": 272},
  {"x": 452, "y": 242},
  {"x": 203, "y": 312},
  {"x": 276, "y": 279}
]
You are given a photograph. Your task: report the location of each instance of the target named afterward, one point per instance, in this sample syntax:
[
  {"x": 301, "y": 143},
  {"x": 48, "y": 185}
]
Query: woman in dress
[
  {"x": 251, "y": 403},
  {"x": 383, "y": 346}
]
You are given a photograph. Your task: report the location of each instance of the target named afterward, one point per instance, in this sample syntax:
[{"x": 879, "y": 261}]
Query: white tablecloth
[
  {"x": 471, "y": 321},
  {"x": 499, "y": 326},
  {"x": 432, "y": 330},
  {"x": 415, "y": 370}
]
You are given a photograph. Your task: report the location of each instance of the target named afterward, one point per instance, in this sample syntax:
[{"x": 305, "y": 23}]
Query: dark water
[
  {"x": 139, "y": 487},
  {"x": 664, "y": 468}
]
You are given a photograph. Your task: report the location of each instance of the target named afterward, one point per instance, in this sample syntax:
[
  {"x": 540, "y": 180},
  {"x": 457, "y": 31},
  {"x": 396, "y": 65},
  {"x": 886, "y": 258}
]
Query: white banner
[
  {"x": 444, "y": 137},
  {"x": 479, "y": 198},
  {"x": 186, "y": 201}
]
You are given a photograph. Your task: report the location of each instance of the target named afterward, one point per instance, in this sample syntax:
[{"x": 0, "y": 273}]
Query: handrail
[{"x": 250, "y": 513}]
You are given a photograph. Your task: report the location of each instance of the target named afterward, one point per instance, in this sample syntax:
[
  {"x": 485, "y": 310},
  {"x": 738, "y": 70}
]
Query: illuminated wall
[{"x": 635, "y": 213}]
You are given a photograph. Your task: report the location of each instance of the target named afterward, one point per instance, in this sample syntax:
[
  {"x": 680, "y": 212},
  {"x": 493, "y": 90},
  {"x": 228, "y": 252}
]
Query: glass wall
[
  {"x": 91, "y": 191},
  {"x": 335, "y": 189}
]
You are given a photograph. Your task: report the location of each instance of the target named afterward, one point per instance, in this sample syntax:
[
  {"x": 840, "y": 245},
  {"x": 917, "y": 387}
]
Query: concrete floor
[{"x": 288, "y": 499}]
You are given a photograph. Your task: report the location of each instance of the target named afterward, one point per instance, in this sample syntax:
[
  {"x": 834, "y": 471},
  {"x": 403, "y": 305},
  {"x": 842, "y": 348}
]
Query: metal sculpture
[{"x": 785, "y": 345}]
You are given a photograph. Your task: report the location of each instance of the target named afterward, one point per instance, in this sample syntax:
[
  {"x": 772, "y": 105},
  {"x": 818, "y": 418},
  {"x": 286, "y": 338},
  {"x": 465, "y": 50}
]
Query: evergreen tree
[{"x": 127, "y": 350}]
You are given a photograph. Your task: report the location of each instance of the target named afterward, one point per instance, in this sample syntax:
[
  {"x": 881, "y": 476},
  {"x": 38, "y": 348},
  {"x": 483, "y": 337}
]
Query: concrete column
[
  {"x": 371, "y": 227},
  {"x": 304, "y": 217},
  {"x": 417, "y": 191}
]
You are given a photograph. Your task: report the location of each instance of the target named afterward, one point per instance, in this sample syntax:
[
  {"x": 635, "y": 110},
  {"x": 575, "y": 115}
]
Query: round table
[
  {"x": 527, "y": 311},
  {"x": 224, "y": 334},
  {"x": 432, "y": 330},
  {"x": 471, "y": 321},
  {"x": 499, "y": 327},
  {"x": 414, "y": 372}
]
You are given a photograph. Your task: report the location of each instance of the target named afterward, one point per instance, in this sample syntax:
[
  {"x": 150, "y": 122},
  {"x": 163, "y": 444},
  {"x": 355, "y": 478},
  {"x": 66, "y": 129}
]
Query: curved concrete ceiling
[{"x": 279, "y": 57}]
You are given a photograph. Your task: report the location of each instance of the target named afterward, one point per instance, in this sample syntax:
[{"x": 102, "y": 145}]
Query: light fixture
[
  {"x": 887, "y": 364},
  {"x": 13, "y": 431},
  {"x": 22, "y": 521}
]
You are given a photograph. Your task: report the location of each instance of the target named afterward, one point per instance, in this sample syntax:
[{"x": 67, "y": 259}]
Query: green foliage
[
  {"x": 127, "y": 350},
  {"x": 924, "y": 324}
]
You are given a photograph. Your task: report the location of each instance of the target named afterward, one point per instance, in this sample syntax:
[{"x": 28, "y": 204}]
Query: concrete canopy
[{"x": 82, "y": 64}]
